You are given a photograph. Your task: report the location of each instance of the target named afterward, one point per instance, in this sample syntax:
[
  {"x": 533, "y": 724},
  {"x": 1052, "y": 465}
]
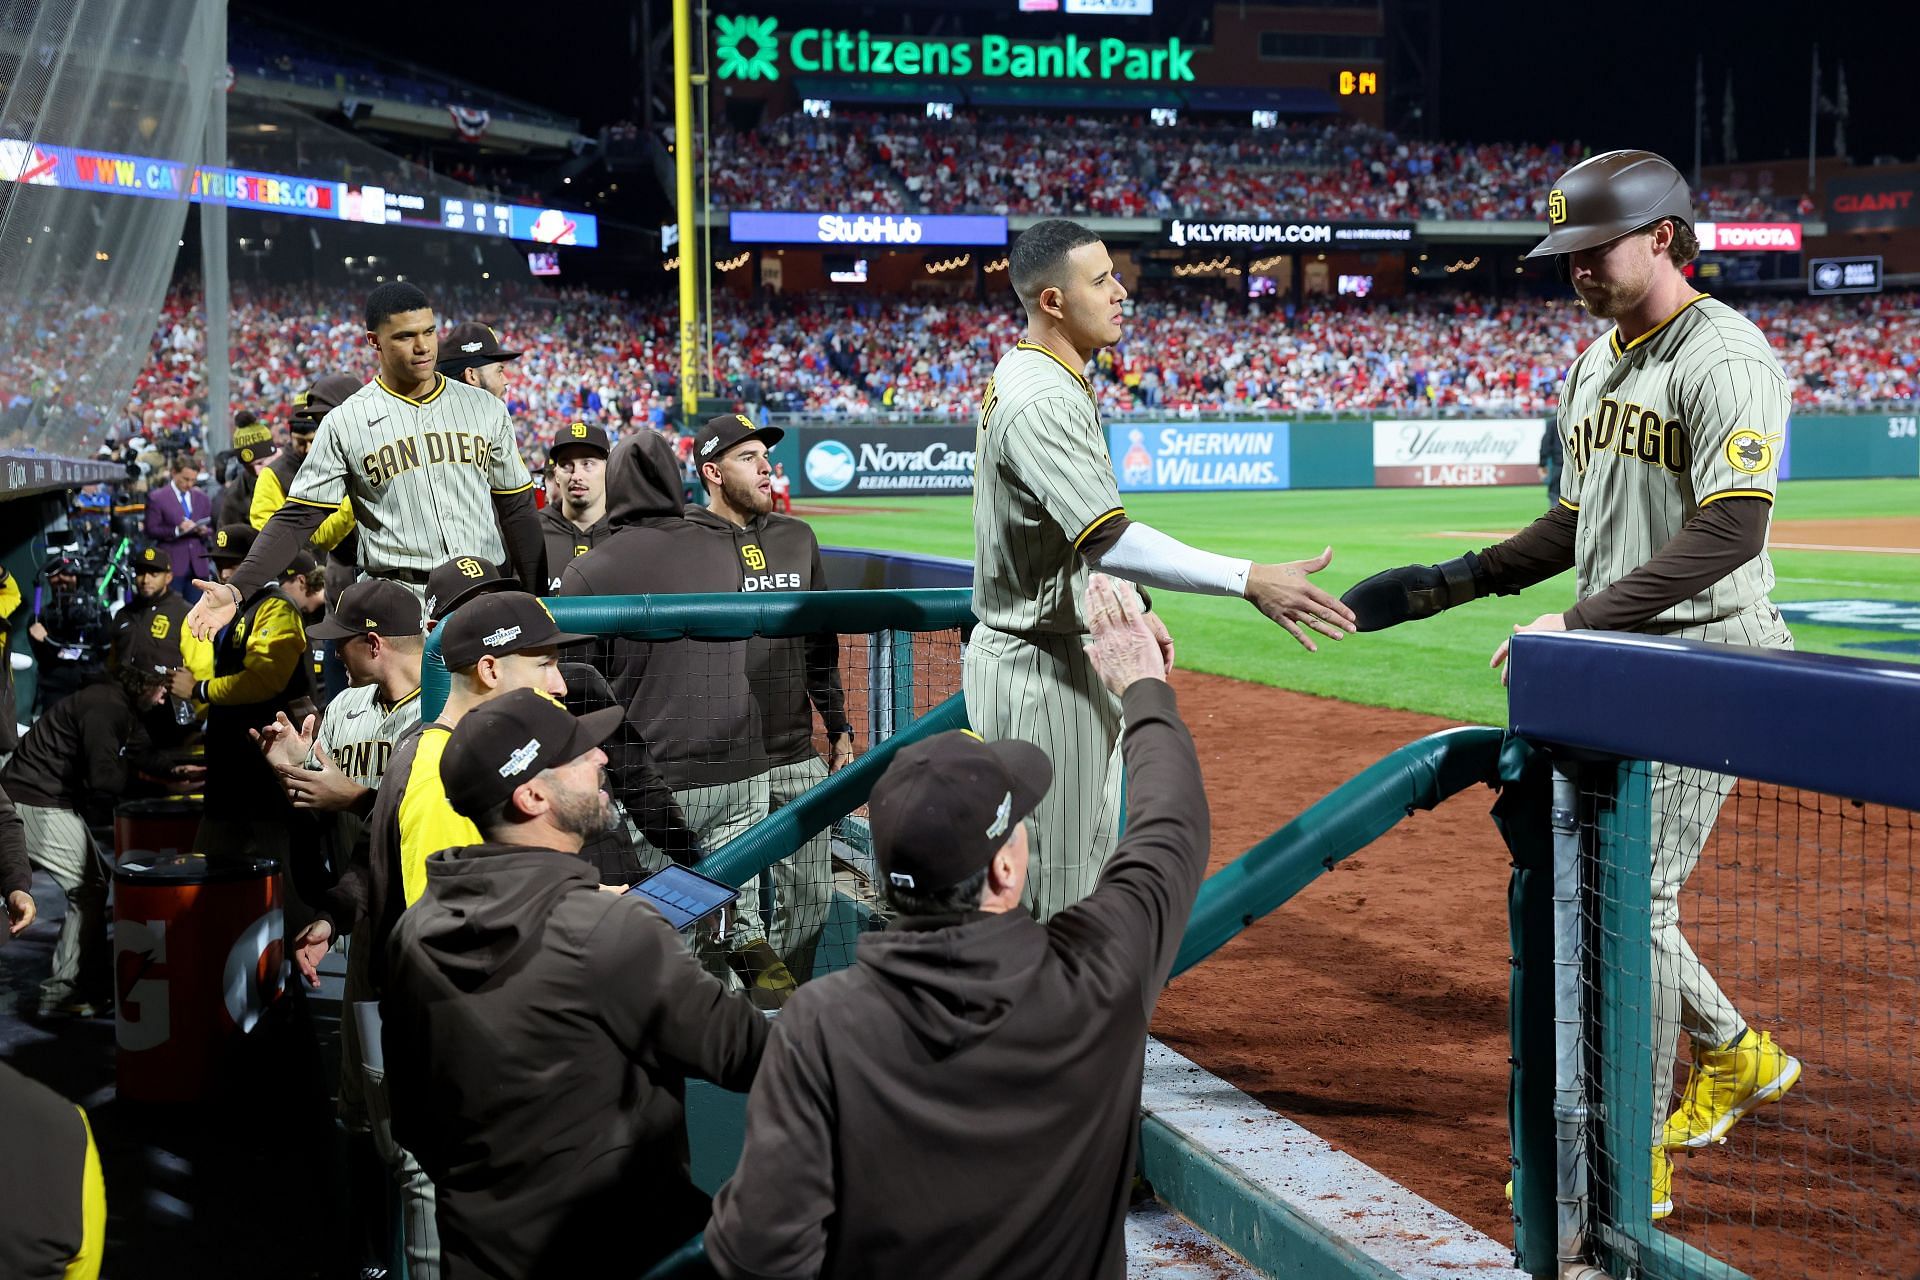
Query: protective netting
[
  {"x": 82, "y": 273},
  {"x": 1765, "y": 1045},
  {"x": 740, "y": 728}
]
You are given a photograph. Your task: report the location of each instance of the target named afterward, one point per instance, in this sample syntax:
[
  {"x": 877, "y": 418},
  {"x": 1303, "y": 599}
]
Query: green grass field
[{"x": 1439, "y": 665}]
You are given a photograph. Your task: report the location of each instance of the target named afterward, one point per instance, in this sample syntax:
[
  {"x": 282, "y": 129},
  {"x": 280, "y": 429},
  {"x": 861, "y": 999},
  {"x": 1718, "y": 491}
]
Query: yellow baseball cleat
[
  {"x": 1726, "y": 1084},
  {"x": 1662, "y": 1184}
]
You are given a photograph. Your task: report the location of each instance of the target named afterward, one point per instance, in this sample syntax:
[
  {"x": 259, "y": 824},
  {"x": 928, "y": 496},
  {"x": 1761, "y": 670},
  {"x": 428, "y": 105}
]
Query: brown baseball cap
[
  {"x": 371, "y": 606},
  {"x": 469, "y": 345},
  {"x": 320, "y": 399},
  {"x": 150, "y": 559},
  {"x": 946, "y": 805},
  {"x": 1609, "y": 195},
  {"x": 461, "y": 579},
  {"x": 231, "y": 542},
  {"x": 499, "y": 624},
  {"x": 728, "y": 430},
  {"x": 581, "y": 435},
  {"x": 509, "y": 739}
]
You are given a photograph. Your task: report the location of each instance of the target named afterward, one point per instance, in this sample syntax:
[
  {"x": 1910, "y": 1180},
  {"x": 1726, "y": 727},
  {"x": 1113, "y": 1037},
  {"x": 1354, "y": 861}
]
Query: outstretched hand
[
  {"x": 1282, "y": 592},
  {"x": 213, "y": 610},
  {"x": 1123, "y": 647}
]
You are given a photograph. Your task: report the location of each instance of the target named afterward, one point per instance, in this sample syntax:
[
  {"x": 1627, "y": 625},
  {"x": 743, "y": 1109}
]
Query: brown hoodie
[
  {"x": 965, "y": 1100},
  {"x": 691, "y": 701},
  {"x": 538, "y": 1036}
]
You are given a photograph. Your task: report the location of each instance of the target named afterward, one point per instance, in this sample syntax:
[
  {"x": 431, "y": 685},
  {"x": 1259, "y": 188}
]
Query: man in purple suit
[{"x": 179, "y": 517}]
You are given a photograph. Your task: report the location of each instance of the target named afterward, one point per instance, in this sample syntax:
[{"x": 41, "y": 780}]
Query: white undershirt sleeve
[{"x": 1151, "y": 558}]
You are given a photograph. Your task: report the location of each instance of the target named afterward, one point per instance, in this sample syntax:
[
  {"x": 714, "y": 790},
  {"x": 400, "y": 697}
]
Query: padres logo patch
[
  {"x": 578, "y": 430},
  {"x": 756, "y": 558},
  {"x": 744, "y": 421},
  {"x": 161, "y": 625},
  {"x": 1749, "y": 452},
  {"x": 468, "y": 566},
  {"x": 1556, "y": 207},
  {"x": 220, "y": 539}
]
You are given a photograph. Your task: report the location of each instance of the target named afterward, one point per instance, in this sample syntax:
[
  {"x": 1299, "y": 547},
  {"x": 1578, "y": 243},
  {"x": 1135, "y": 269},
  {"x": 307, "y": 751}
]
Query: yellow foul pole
[{"x": 683, "y": 200}]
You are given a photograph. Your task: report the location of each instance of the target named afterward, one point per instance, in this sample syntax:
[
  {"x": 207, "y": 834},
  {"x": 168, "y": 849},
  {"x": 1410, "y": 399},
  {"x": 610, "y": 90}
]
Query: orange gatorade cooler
[
  {"x": 197, "y": 956},
  {"x": 155, "y": 827}
]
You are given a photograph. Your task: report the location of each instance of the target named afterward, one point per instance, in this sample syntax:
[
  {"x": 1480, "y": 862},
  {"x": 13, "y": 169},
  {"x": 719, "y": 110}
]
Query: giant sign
[
  {"x": 1436, "y": 452},
  {"x": 859, "y": 462},
  {"x": 754, "y": 48},
  {"x": 1324, "y": 235},
  {"x": 1870, "y": 202},
  {"x": 1163, "y": 457},
  {"x": 47, "y": 165},
  {"x": 867, "y": 230}
]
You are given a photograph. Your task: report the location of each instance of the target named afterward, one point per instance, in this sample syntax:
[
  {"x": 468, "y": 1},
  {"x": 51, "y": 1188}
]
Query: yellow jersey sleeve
[
  {"x": 276, "y": 644},
  {"x": 428, "y": 823},
  {"x": 268, "y": 497}
]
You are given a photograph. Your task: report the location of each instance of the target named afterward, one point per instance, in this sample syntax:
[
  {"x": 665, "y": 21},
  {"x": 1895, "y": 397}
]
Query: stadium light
[{"x": 486, "y": 275}]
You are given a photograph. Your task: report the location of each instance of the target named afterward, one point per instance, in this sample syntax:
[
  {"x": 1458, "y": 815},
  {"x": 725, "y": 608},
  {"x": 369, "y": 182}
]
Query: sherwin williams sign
[
  {"x": 1168, "y": 456},
  {"x": 754, "y": 48}
]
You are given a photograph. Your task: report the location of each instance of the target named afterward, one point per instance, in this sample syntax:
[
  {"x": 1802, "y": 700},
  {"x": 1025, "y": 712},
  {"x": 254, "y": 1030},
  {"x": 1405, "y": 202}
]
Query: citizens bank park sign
[{"x": 754, "y": 48}]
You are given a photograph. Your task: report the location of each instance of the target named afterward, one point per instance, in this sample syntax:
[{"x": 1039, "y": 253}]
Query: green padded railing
[
  {"x": 1344, "y": 821},
  {"x": 731, "y": 616},
  {"x": 734, "y": 616}
]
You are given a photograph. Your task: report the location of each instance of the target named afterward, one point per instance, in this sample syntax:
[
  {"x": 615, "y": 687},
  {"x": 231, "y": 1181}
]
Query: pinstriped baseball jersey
[
  {"x": 421, "y": 473},
  {"x": 1692, "y": 412},
  {"x": 1042, "y": 481},
  {"x": 360, "y": 732}
]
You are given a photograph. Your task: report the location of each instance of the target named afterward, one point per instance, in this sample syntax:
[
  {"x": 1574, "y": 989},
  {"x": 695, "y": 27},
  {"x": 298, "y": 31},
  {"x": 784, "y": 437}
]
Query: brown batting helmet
[{"x": 1609, "y": 195}]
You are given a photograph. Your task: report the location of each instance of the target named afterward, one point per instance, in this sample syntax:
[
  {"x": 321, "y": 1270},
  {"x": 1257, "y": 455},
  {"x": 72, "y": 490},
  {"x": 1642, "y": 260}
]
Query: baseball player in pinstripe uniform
[
  {"x": 429, "y": 463},
  {"x": 1046, "y": 507},
  {"x": 1672, "y": 428}
]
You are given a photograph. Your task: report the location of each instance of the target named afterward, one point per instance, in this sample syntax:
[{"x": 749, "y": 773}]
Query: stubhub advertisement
[
  {"x": 1169, "y": 456},
  {"x": 864, "y": 230}
]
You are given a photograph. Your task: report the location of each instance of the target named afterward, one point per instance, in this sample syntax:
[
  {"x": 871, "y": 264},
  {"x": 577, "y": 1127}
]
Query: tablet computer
[{"x": 683, "y": 896}]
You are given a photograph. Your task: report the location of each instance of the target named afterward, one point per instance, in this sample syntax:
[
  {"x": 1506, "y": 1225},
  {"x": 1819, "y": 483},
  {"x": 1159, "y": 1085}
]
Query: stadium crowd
[
  {"x": 983, "y": 162},
  {"x": 610, "y": 358}
]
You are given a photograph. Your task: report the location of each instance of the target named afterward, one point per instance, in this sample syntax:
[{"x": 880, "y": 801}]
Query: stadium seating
[
  {"x": 1112, "y": 165},
  {"x": 611, "y": 358}
]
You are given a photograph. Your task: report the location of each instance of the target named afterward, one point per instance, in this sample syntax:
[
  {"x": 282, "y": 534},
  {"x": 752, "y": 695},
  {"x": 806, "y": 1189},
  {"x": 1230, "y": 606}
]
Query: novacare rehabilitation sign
[{"x": 753, "y": 48}]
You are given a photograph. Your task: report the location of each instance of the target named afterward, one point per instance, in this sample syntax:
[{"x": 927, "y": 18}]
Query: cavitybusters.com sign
[
  {"x": 755, "y": 48},
  {"x": 860, "y": 462}
]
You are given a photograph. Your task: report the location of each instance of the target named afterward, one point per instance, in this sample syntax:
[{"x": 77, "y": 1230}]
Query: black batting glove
[{"x": 1415, "y": 591}]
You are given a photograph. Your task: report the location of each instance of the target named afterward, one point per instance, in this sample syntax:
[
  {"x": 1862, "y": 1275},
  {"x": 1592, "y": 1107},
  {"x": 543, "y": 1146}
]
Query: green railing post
[
  {"x": 1623, "y": 1017},
  {"x": 901, "y": 677},
  {"x": 1623, "y": 1111}
]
